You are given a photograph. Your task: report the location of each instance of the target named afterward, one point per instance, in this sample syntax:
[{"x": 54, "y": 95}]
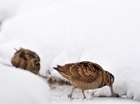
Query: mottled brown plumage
[
  {"x": 86, "y": 75},
  {"x": 26, "y": 59}
]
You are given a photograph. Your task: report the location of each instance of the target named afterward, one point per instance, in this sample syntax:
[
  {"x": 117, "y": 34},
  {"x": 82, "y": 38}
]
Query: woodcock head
[{"x": 109, "y": 78}]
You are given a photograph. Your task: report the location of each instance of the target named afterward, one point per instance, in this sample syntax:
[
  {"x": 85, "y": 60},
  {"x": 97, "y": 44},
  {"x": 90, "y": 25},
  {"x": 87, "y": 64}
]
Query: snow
[
  {"x": 105, "y": 32},
  {"x": 10, "y": 8},
  {"x": 22, "y": 87},
  {"x": 59, "y": 95}
]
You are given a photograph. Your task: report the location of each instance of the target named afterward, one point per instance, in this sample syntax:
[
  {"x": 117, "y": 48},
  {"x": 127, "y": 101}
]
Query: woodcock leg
[
  {"x": 84, "y": 94},
  {"x": 111, "y": 89},
  {"x": 70, "y": 95},
  {"x": 112, "y": 92}
]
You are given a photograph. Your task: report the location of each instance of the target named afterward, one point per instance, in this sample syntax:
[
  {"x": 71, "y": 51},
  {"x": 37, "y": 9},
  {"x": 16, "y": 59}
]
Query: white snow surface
[
  {"x": 9, "y": 8},
  {"x": 22, "y": 87},
  {"x": 102, "y": 31}
]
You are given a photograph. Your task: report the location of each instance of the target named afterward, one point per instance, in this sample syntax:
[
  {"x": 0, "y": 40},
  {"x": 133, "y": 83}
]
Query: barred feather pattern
[
  {"x": 27, "y": 60},
  {"x": 86, "y": 75}
]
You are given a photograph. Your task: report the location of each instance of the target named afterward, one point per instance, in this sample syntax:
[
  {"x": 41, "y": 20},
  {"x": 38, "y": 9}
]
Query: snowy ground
[
  {"x": 60, "y": 93},
  {"x": 21, "y": 87},
  {"x": 105, "y": 32}
]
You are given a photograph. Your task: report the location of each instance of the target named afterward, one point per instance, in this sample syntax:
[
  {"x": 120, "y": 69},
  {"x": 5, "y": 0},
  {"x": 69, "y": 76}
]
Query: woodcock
[
  {"x": 27, "y": 60},
  {"x": 86, "y": 75}
]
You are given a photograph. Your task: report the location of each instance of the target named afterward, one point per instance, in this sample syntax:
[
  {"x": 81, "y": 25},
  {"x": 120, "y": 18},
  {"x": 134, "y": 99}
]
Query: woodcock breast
[{"x": 86, "y": 75}]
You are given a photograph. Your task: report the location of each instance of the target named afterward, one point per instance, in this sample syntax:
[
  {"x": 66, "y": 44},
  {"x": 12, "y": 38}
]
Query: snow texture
[
  {"x": 22, "y": 87},
  {"x": 9, "y": 8},
  {"x": 105, "y": 32}
]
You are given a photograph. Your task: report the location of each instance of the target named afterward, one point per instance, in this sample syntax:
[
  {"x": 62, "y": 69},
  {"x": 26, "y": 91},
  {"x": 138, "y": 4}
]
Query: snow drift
[
  {"x": 22, "y": 87},
  {"x": 105, "y": 32}
]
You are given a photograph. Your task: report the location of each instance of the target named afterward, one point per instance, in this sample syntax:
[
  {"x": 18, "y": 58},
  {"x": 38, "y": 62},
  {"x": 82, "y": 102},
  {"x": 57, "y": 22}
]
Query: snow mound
[
  {"x": 105, "y": 32},
  {"x": 9, "y": 8},
  {"x": 22, "y": 87}
]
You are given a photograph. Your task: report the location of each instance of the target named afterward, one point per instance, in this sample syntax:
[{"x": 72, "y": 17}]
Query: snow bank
[
  {"x": 9, "y": 8},
  {"x": 105, "y": 32},
  {"x": 22, "y": 87}
]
